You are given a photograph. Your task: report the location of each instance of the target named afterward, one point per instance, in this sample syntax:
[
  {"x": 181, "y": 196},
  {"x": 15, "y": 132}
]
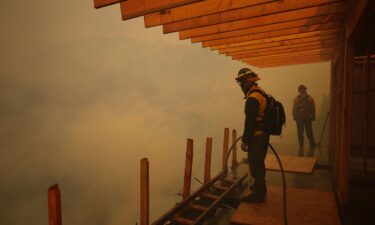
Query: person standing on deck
[
  {"x": 254, "y": 139},
  {"x": 304, "y": 115}
]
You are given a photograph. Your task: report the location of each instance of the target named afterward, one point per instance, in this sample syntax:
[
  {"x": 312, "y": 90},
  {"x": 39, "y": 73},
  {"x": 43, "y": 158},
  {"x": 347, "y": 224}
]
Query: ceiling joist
[
  {"x": 262, "y": 33},
  {"x": 264, "y": 20},
  {"x": 135, "y": 8},
  {"x": 198, "y": 9}
]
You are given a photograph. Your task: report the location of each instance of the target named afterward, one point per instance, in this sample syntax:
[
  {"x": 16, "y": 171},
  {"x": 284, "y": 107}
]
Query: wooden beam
[
  {"x": 135, "y": 8},
  {"x": 102, "y": 3},
  {"x": 265, "y": 20},
  {"x": 243, "y": 13},
  {"x": 145, "y": 192},
  {"x": 284, "y": 47},
  {"x": 234, "y": 154},
  {"x": 278, "y": 43},
  {"x": 310, "y": 53},
  {"x": 279, "y": 38},
  {"x": 207, "y": 164},
  {"x": 198, "y": 9},
  {"x": 54, "y": 205},
  {"x": 290, "y": 50},
  {"x": 288, "y": 60},
  {"x": 225, "y": 149},
  {"x": 277, "y": 33},
  {"x": 356, "y": 9},
  {"x": 188, "y": 169},
  {"x": 271, "y": 27},
  {"x": 291, "y": 63}
]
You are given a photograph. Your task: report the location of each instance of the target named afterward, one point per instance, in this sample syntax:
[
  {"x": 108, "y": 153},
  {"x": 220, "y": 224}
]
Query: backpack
[{"x": 274, "y": 115}]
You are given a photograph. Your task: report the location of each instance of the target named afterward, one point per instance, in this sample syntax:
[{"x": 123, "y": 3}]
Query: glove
[{"x": 244, "y": 146}]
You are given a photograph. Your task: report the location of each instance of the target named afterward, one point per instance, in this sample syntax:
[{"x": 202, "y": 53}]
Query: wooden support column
[
  {"x": 188, "y": 168},
  {"x": 234, "y": 154},
  {"x": 344, "y": 163},
  {"x": 145, "y": 196},
  {"x": 207, "y": 164},
  {"x": 54, "y": 205},
  {"x": 225, "y": 148}
]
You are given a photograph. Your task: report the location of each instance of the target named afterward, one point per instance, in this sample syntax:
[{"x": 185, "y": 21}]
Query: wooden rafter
[
  {"x": 243, "y": 13},
  {"x": 198, "y": 9},
  {"x": 333, "y": 42},
  {"x": 302, "y": 59},
  {"x": 265, "y": 20},
  {"x": 271, "y": 27},
  {"x": 135, "y": 8},
  {"x": 279, "y": 38},
  {"x": 323, "y": 53},
  {"x": 290, "y": 50},
  {"x": 290, "y": 63},
  {"x": 102, "y": 3},
  {"x": 277, "y": 33},
  {"x": 278, "y": 43}
]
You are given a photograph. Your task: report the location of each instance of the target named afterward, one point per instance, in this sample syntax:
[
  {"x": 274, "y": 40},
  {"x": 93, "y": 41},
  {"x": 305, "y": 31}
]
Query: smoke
[{"x": 80, "y": 107}]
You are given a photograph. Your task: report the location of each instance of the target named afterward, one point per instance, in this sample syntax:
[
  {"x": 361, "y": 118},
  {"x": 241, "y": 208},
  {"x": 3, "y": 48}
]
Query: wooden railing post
[
  {"x": 225, "y": 149},
  {"x": 188, "y": 168},
  {"x": 234, "y": 154},
  {"x": 145, "y": 193},
  {"x": 54, "y": 205},
  {"x": 207, "y": 164}
]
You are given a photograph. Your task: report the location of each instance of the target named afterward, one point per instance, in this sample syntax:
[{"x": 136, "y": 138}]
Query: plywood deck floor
[
  {"x": 304, "y": 207},
  {"x": 295, "y": 164}
]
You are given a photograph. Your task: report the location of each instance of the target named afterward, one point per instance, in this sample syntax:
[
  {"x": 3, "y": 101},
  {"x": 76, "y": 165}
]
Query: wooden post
[
  {"x": 225, "y": 148},
  {"x": 234, "y": 154},
  {"x": 188, "y": 168},
  {"x": 54, "y": 205},
  {"x": 207, "y": 164},
  {"x": 145, "y": 193}
]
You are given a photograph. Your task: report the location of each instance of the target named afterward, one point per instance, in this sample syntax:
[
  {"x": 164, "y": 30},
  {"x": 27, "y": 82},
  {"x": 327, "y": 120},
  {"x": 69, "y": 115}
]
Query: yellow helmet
[{"x": 247, "y": 74}]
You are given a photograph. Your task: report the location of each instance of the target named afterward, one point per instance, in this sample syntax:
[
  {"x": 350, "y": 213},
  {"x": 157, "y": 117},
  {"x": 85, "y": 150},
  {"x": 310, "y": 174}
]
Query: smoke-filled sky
[{"x": 84, "y": 96}]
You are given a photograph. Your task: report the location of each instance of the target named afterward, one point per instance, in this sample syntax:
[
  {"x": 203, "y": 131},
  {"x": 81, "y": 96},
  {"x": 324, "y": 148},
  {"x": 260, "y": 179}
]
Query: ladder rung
[
  {"x": 182, "y": 220},
  {"x": 206, "y": 195},
  {"x": 198, "y": 207},
  {"x": 219, "y": 187}
]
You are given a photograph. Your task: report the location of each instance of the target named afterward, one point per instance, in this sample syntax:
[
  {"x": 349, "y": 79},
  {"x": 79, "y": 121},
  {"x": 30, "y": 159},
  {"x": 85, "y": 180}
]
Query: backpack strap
[{"x": 263, "y": 94}]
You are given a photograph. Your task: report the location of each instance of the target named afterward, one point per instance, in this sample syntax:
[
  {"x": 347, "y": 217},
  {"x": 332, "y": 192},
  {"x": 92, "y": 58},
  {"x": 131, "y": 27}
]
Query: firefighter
[
  {"x": 304, "y": 115},
  {"x": 254, "y": 139}
]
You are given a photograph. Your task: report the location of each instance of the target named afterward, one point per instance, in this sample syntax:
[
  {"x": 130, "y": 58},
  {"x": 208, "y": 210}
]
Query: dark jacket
[{"x": 254, "y": 110}]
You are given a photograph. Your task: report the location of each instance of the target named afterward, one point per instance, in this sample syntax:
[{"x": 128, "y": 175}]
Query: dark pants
[
  {"x": 256, "y": 154},
  {"x": 305, "y": 124}
]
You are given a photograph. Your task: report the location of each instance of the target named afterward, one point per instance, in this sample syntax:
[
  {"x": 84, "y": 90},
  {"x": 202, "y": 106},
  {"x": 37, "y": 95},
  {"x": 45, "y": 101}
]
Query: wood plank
[
  {"x": 292, "y": 63},
  {"x": 277, "y": 33},
  {"x": 322, "y": 56},
  {"x": 300, "y": 57},
  {"x": 198, "y": 9},
  {"x": 102, "y": 3},
  {"x": 225, "y": 148},
  {"x": 357, "y": 7},
  {"x": 265, "y": 20},
  {"x": 188, "y": 168},
  {"x": 293, "y": 164},
  {"x": 318, "y": 52},
  {"x": 243, "y": 13},
  {"x": 279, "y": 62},
  {"x": 207, "y": 164},
  {"x": 290, "y": 50},
  {"x": 135, "y": 8},
  {"x": 145, "y": 192},
  {"x": 272, "y": 27},
  {"x": 278, "y": 43},
  {"x": 54, "y": 205},
  {"x": 305, "y": 207},
  {"x": 279, "y": 38},
  {"x": 303, "y": 44}
]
